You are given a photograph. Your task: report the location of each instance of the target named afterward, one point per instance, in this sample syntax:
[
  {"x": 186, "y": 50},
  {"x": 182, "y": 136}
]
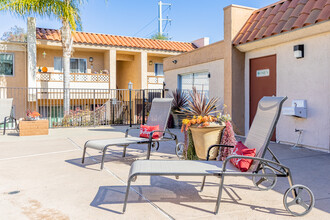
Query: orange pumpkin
[{"x": 44, "y": 69}]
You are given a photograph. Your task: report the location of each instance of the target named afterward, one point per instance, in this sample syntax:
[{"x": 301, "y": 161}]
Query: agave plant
[
  {"x": 180, "y": 100},
  {"x": 200, "y": 105}
]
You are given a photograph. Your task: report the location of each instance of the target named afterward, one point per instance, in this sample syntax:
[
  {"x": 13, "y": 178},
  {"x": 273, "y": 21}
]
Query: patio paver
[{"x": 42, "y": 178}]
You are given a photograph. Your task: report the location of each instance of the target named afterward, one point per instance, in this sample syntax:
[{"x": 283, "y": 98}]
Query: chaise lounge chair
[
  {"x": 6, "y": 113},
  {"x": 159, "y": 114},
  {"x": 264, "y": 172}
]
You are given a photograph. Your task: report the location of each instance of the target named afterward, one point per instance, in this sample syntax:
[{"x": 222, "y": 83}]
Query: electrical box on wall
[{"x": 298, "y": 109}]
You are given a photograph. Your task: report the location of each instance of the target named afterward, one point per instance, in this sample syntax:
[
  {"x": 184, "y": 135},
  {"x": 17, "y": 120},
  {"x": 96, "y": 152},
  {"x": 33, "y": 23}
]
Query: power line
[
  {"x": 146, "y": 26},
  {"x": 151, "y": 33}
]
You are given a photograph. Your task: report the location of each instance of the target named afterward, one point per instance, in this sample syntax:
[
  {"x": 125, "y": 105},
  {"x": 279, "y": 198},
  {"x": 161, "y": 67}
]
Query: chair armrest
[
  {"x": 216, "y": 145},
  {"x": 252, "y": 158},
  {"x": 128, "y": 129},
  {"x": 152, "y": 133},
  {"x": 164, "y": 132}
]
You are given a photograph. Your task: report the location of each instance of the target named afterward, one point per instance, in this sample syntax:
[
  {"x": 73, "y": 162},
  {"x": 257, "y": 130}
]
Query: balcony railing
[
  {"x": 156, "y": 80},
  {"x": 74, "y": 77}
]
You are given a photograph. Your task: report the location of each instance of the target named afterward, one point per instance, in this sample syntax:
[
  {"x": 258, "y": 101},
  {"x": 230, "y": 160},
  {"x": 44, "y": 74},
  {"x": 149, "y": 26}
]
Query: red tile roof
[
  {"x": 113, "y": 40},
  {"x": 282, "y": 16}
]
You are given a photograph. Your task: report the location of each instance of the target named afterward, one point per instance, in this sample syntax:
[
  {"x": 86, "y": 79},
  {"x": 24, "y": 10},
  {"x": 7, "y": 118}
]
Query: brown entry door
[{"x": 262, "y": 82}]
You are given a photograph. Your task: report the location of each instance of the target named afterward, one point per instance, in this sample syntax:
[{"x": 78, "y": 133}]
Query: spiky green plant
[
  {"x": 180, "y": 100},
  {"x": 200, "y": 105}
]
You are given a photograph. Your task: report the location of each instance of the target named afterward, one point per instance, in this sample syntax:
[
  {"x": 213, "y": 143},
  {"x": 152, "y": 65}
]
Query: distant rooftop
[
  {"x": 283, "y": 16},
  {"x": 114, "y": 40}
]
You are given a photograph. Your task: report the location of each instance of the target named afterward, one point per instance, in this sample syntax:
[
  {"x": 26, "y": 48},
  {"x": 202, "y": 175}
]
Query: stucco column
[
  {"x": 234, "y": 18},
  {"x": 31, "y": 52},
  {"x": 144, "y": 70},
  {"x": 111, "y": 65}
]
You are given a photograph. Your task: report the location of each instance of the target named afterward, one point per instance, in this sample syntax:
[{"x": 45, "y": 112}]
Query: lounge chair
[
  {"x": 6, "y": 113},
  {"x": 264, "y": 172},
  {"x": 159, "y": 114}
]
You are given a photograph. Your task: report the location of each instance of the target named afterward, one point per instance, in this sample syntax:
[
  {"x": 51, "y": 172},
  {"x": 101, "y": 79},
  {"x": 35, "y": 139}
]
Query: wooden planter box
[{"x": 29, "y": 128}]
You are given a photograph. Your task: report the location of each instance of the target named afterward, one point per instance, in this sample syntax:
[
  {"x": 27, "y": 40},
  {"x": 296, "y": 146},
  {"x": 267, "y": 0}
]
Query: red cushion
[
  {"x": 241, "y": 149},
  {"x": 145, "y": 131}
]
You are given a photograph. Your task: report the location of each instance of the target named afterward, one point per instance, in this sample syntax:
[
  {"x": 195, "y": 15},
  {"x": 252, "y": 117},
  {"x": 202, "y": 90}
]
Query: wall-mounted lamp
[
  {"x": 175, "y": 61},
  {"x": 130, "y": 85},
  {"x": 91, "y": 59},
  {"x": 44, "y": 54},
  {"x": 298, "y": 51},
  {"x": 150, "y": 62}
]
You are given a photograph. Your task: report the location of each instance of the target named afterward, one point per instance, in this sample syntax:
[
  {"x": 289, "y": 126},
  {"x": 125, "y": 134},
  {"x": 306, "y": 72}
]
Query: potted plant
[
  {"x": 180, "y": 100},
  {"x": 32, "y": 116},
  {"x": 202, "y": 125}
]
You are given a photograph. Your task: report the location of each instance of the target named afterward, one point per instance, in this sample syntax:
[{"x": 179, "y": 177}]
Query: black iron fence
[{"x": 88, "y": 107}]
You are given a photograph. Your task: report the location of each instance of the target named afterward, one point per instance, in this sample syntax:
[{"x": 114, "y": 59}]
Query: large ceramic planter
[
  {"x": 205, "y": 137},
  {"x": 177, "y": 119}
]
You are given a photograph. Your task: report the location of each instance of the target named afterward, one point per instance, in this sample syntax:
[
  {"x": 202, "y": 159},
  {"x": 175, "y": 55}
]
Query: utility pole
[{"x": 160, "y": 16}]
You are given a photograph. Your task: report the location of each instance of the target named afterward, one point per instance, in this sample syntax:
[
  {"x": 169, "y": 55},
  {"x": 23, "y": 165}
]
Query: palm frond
[{"x": 62, "y": 10}]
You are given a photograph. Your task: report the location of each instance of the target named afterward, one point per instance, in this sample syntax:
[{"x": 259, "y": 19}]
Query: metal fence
[{"x": 88, "y": 107}]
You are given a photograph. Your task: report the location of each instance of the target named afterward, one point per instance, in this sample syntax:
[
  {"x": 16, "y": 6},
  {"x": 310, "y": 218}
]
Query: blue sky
[{"x": 191, "y": 19}]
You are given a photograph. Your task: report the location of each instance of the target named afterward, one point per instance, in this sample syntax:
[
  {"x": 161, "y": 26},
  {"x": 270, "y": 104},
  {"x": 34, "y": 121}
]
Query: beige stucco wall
[
  {"x": 201, "y": 55},
  {"x": 129, "y": 71},
  {"x": 215, "y": 68},
  {"x": 19, "y": 79},
  {"x": 153, "y": 59},
  {"x": 234, "y": 18},
  {"x": 307, "y": 78},
  {"x": 48, "y": 60}
]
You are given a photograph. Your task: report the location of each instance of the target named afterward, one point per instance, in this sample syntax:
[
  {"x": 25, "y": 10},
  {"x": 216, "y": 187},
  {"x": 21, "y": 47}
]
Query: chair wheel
[
  {"x": 265, "y": 182},
  {"x": 155, "y": 145},
  {"x": 302, "y": 201},
  {"x": 179, "y": 150}
]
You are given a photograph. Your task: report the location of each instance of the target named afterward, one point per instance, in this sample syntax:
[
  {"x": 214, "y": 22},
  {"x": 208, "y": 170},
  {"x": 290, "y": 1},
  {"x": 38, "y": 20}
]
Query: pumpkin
[{"x": 44, "y": 69}]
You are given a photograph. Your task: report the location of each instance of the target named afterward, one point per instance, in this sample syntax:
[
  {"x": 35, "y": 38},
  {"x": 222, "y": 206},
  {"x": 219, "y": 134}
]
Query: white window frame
[
  {"x": 13, "y": 66},
  {"x": 192, "y": 73},
  {"x": 155, "y": 69},
  {"x": 70, "y": 61}
]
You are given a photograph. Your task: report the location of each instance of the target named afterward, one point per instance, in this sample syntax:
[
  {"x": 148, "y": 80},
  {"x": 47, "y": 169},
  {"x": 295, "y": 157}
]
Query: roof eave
[
  {"x": 58, "y": 43},
  {"x": 307, "y": 31}
]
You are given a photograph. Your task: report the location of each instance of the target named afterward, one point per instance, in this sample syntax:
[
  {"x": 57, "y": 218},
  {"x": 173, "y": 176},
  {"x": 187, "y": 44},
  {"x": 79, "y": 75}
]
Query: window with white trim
[
  {"x": 199, "y": 80},
  {"x": 159, "y": 69},
  {"x": 77, "y": 65},
  {"x": 6, "y": 64}
]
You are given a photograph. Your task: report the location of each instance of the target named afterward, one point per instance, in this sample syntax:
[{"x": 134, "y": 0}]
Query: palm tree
[
  {"x": 67, "y": 11},
  {"x": 159, "y": 36}
]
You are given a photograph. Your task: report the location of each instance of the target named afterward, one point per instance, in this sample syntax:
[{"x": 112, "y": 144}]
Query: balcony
[
  {"x": 74, "y": 77},
  {"x": 155, "y": 82},
  {"x": 77, "y": 80}
]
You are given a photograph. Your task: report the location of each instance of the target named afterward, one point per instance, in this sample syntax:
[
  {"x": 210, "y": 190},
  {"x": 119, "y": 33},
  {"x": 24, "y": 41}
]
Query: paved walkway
[{"x": 42, "y": 178}]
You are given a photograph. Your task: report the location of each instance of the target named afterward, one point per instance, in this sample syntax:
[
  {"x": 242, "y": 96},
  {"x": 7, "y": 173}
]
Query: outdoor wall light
[
  {"x": 298, "y": 51},
  {"x": 44, "y": 54},
  {"x": 91, "y": 59},
  {"x": 175, "y": 61},
  {"x": 150, "y": 62},
  {"x": 130, "y": 85}
]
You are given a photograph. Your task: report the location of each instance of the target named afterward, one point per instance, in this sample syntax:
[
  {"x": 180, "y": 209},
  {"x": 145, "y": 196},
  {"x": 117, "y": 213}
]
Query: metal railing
[{"x": 88, "y": 107}]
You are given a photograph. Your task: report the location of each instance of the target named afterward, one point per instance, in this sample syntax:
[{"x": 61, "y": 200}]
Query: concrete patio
[{"x": 42, "y": 178}]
